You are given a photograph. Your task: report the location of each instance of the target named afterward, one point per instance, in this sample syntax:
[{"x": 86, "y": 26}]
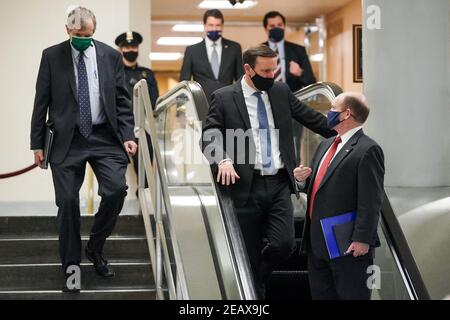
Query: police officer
[{"x": 128, "y": 44}]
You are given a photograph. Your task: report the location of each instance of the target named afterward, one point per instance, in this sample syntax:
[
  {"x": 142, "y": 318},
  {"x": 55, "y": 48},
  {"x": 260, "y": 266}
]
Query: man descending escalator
[{"x": 258, "y": 171}]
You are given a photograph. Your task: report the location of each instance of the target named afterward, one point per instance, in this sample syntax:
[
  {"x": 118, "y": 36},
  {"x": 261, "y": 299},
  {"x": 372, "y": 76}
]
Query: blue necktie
[
  {"x": 83, "y": 99},
  {"x": 264, "y": 136}
]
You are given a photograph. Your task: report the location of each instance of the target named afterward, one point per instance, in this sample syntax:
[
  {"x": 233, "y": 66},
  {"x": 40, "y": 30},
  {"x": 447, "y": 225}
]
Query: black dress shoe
[{"x": 100, "y": 264}]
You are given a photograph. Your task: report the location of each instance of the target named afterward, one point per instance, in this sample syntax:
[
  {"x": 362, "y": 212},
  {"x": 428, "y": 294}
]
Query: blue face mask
[
  {"x": 214, "y": 35},
  {"x": 333, "y": 119}
]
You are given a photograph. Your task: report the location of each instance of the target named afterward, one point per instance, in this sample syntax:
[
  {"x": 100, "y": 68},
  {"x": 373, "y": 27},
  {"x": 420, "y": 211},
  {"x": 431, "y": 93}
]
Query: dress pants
[
  {"x": 109, "y": 162},
  {"x": 342, "y": 278},
  {"x": 268, "y": 215}
]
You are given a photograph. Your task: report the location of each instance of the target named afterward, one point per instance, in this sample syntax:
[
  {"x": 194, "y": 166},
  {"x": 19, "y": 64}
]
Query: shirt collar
[
  {"x": 209, "y": 42},
  {"x": 276, "y": 44},
  {"x": 349, "y": 134}
]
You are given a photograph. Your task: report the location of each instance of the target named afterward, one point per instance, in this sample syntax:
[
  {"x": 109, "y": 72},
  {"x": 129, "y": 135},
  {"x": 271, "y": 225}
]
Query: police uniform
[{"x": 135, "y": 74}]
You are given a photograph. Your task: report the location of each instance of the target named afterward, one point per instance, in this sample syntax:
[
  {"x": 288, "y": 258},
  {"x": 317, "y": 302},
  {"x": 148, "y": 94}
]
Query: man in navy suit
[
  {"x": 215, "y": 62},
  {"x": 81, "y": 86},
  {"x": 346, "y": 175}
]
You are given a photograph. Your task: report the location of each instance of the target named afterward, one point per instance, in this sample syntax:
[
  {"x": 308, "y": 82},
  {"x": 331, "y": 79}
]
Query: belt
[
  {"x": 281, "y": 171},
  {"x": 99, "y": 126}
]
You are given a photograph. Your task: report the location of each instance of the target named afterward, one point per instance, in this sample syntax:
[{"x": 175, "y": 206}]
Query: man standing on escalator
[{"x": 347, "y": 176}]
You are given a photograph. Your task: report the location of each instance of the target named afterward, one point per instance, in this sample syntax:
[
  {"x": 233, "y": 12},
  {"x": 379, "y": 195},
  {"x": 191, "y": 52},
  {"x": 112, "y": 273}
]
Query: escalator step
[{"x": 288, "y": 286}]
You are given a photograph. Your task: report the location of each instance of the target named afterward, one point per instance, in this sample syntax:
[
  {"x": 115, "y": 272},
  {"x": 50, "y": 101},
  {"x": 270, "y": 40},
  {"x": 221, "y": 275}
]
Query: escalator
[{"x": 195, "y": 243}]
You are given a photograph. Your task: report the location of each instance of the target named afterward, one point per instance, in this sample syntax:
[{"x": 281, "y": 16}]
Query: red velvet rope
[{"x": 17, "y": 173}]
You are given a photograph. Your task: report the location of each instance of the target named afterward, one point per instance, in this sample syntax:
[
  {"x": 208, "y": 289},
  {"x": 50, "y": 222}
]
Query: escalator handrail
[
  {"x": 328, "y": 89},
  {"x": 233, "y": 231},
  {"x": 390, "y": 225},
  {"x": 396, "y": 238}
]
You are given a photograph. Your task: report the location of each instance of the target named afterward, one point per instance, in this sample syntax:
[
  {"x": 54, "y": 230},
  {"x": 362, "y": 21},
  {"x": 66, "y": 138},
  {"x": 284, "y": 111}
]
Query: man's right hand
[
  {"x": 39, "y": 157},
  {"x": 227, "y": 173},
  {"x": 302, "y": 173}
]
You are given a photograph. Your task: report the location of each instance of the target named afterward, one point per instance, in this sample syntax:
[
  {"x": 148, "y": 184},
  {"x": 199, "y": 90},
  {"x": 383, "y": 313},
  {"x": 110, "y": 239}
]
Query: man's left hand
[
  {"x": 358, "y": 249},
  {"x": 130, "y": 147},
  {"x": 295, "y": 69}
]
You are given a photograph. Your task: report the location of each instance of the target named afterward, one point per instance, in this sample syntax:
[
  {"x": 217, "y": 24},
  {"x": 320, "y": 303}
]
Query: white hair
[{"x": 79, "y": 18}]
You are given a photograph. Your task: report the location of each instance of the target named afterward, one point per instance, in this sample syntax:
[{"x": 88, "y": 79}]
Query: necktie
[
  {"x": 83, "y": 98},
  {"x": 322, "y": 171},
  {"x": 278, "y": 75},
  {"x": 264, "y": 136},
  {"x": 215, "y": 62}
]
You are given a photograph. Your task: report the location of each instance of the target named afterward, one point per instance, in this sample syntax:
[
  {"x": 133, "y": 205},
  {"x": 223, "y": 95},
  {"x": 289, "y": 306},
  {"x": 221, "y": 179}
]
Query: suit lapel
[
  {"x": 101, "y": 69},
  {"x": 68, "y": 65},
  {"x": 240, "y": 103},
  {"x": 343, "y": 153},
  {"x": 204, "y": 57},
  {"x": 224, "y": 56}
]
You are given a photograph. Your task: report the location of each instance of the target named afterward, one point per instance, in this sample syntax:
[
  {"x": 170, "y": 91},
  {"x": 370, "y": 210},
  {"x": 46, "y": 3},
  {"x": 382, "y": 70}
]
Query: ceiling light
[
  {"x": 225, "y": 4},
  {"x": 188, "y": 28},
  {"x": 165, "y": 56},
  {"x": 316, "y": 57},
  {"x": 178, "y": 41}
]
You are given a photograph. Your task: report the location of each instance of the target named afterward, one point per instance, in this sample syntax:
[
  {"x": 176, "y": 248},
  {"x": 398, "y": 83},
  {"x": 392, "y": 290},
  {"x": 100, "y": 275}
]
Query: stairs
[{"x": 30, "y": 268}]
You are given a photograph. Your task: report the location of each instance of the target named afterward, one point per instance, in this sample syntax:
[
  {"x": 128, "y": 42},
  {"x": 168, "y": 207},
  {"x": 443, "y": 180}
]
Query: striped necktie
[{"x": 278, "y": 75}]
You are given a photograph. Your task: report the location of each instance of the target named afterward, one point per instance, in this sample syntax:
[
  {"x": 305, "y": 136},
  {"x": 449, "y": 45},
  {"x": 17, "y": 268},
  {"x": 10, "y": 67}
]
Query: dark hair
[
  {"x": 270, "y": 15},
  {"x": 359, "y": 109},
  {"x": 250, "y": 55},
  {"x": 213, "y": 13}
]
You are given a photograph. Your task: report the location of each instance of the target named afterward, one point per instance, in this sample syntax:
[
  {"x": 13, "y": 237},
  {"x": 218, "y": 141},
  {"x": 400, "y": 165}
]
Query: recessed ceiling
[{"x": 243, "y": 26}]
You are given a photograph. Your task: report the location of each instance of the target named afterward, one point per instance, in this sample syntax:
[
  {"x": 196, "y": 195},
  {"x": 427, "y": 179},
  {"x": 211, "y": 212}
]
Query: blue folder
[{"x": 328, "y": 229}]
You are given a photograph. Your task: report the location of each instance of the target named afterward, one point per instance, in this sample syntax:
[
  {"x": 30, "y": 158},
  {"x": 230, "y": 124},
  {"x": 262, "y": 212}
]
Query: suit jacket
[
  {"x": 353, "y": 182},
  {"x": 229, "y": 111},
  {"x": 196, "y": 64},
  {"x": 56, "y": 93},
  {"x": 297, "y": 53}
]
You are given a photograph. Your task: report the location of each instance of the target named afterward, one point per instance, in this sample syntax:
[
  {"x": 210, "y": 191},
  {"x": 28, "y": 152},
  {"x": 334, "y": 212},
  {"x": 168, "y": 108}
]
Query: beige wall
[
  {"x": 340, "y": 45},
  {"x": 29, "y": 26}
]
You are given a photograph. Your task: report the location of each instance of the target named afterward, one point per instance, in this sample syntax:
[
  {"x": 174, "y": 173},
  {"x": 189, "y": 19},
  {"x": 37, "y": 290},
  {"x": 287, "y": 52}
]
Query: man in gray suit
[
  {"x": 81, "y": 85},
  {"x": 215, "y": 62}
]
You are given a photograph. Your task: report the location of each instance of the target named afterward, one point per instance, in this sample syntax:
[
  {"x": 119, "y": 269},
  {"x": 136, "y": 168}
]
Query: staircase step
[
  {"x": 40, "y": 226},
  {"x": 30, "y": 277},
  {"x": 133, "y": 294},
  {"x": 45, "y": 250}
]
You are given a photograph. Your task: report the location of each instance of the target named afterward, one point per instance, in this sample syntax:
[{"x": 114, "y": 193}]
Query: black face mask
[
  {"x": 276, "y": 34},
  {"x": 261, "y": 83},
  {"x": 131, "y": 56}
]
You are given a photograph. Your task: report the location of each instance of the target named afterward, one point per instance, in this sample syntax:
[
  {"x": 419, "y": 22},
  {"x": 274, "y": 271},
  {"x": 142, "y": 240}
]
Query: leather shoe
[
  {"x": 100, "y": 264},
  {"x": 65, "y": 289}
]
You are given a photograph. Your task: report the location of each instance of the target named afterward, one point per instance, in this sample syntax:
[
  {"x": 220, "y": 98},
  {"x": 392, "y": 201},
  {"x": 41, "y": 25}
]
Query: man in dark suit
[
  {"x": 247, "y": 138},
  {"x": 293, "y": 67},
  {"x": 215, "y": 62},
  {"x": 81, "y": 84},
  {"x": 347, "y": 175}
]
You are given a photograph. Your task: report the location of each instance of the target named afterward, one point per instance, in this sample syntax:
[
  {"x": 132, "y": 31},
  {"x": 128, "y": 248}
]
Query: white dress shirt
[
  {"x": 209, "y": 48},
  {"x": 252, "y": 107},
  {"x": 90, "y": 59}
]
